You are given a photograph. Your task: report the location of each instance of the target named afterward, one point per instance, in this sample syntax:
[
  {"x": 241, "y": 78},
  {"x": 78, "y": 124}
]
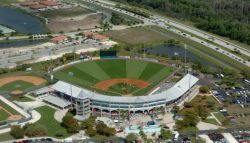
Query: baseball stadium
[{"x": 107, "y": 86}]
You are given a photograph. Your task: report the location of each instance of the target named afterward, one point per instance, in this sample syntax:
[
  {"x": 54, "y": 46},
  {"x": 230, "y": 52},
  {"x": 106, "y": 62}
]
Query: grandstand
[{"x": 86, "y": 101}]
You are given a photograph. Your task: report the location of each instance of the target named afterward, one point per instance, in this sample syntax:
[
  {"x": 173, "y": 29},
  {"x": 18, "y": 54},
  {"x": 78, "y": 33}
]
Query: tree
[
  {"x": 103, "y": 129},
  {"x": 71, "y": 124},
  {"x": 175, "y": 109},
  {"x": 90, "y": 131},
  {"x": 35, "y": 130},
  {"x": 204, "y": 89},
  {"x": 16, "y": 131},
  {"x": 131, "y": 137},
  {"x": 165, "y": 134}
]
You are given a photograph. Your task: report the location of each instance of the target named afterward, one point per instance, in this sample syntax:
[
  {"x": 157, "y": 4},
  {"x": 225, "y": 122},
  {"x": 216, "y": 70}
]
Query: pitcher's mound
[{"x": 16, "y": 92}]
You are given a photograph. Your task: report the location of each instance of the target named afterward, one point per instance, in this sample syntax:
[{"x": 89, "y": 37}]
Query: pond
[
  {"x": 20, "y": 43},
  {"x": 20, "y": 21},
  {"x": 172, "y": 50}
]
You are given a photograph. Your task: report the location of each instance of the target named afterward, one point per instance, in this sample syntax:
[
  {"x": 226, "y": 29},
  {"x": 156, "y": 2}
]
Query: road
[{"x": 174, "y": 26}]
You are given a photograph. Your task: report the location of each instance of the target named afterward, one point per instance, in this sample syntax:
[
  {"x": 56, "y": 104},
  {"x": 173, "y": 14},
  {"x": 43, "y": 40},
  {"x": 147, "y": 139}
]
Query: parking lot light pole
[{"x": 71, "y": 74}]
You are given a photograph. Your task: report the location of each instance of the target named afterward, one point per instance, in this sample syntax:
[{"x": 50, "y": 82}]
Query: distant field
[
  {"x": 136, "y": 36},
  {"x": 65, "y": 12},
  {"x": 142, "y": 76},
  {"x": 7, "y": 2}
]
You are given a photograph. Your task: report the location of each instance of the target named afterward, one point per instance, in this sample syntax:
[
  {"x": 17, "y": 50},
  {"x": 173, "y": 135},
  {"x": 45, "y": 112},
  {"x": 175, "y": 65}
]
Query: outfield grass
[
  {"x": 8, "y": 108},
  {"x": 87, "y": 74},
  {"x": 16, "y": 85},
  {"x": 3, "y": 115},
  {"x": 47, "y": 120}
]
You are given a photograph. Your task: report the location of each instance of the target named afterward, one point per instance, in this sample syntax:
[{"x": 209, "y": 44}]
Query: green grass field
[
  {"x": 136, "y": 35},
  {"x": 3, "y": 114},
  {"x": 16, "y": 85},
  {"x": 65, "y": 12},
  {"x": 47, "y": 120},
  {"x": 87, "y": 74}
]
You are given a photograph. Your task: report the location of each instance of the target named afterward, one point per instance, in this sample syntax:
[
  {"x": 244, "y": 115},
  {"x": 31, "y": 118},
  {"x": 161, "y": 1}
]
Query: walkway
[
  {"x": 229, "y": 138},
  {"x": 59, "y": 114},
  {"x": 207, "y": 126}
]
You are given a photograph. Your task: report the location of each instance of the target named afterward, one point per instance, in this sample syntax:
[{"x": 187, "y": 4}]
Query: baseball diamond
[{"x": 117, "y": 77}]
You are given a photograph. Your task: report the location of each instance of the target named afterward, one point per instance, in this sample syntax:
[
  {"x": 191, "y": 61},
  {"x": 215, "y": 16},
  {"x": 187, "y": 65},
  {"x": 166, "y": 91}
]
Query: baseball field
[
  {"x": 116, "y": 76},
  {"x": 18, "y": 84}
]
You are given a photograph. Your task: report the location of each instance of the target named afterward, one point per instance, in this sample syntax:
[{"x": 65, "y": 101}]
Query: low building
[
  {"x": 50, "y": 3},
  {"x": 37, "y": 7},
  {"x": 59, "y": 39},
  {"x": 96, "y": 36},
  {"x": 28, "y": 3}
]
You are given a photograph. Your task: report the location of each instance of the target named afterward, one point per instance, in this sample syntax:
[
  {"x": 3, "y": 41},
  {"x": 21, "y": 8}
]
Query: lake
[
  {"x": 20, "y": 21},
  {"x": 171, "y": 50}
]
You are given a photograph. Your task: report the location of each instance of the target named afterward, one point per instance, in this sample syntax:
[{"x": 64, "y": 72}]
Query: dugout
[{"x": 108, "y": 54}]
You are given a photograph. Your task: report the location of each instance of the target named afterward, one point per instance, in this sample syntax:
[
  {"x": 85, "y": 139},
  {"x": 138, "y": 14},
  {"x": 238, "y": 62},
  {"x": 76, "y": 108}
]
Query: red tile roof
[
  {"x": 58, "y": 39},
  {"x": 28, "y": 3},
  {"x": 37, "y": 6},
  {"x": 50, "y": 3}
]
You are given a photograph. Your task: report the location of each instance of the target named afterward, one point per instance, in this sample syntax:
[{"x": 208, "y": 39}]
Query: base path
[
  {"x": 106, "y": 84},
  {"x": 32, "y": 79}
]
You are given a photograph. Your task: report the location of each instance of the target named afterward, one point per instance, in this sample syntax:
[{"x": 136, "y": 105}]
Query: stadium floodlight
[{"x": 71, "y": 74}]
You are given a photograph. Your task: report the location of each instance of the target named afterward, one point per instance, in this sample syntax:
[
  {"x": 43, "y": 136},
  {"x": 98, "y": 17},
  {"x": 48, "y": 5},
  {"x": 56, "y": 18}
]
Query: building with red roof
[
  {"x": 96, "y": 36},
  {"x": 50, "y": 3},
  {"x": 59, "y": 39},
  {"x": 28, "y": 3},
  {"x": 37, "y": 6}
]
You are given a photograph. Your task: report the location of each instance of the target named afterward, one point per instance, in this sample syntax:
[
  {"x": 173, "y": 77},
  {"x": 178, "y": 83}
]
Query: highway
[{"x": 175, "y": 26}]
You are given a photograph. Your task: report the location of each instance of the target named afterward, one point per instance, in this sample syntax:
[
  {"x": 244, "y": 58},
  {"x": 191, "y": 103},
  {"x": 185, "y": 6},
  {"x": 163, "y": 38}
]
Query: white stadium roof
[{"x": 173, "y": 93}]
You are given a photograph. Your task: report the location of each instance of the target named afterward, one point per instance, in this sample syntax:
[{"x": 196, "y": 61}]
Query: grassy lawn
[
  {"x": 87, "y": 74},
  {"x": 211, "y": 121},
  {"x": 48, "y": 121},
  {"x": 3, "y": 115},
  {"x": 219, "y": 116},
  {"x": 136, "y": 35},
  {"x": 6, "y": 137},
  {"x": 16, "y": 85}
]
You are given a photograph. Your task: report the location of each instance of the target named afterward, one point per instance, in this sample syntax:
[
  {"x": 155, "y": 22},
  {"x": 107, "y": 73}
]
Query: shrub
[{"x": 17, "y": 131}]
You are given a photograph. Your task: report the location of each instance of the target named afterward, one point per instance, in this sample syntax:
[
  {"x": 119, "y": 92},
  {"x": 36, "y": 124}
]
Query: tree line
[{"x": 229, "y": 18}]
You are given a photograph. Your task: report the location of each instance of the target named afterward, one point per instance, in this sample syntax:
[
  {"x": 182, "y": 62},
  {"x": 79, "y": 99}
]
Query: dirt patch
[
  {"x": 106, "y": 84},
  {"x": 31, "y": 79},
  {"x": 14, "y": 117},
  {"x": 72, "y": 24},
  {"x": 16, "y": 92}
]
